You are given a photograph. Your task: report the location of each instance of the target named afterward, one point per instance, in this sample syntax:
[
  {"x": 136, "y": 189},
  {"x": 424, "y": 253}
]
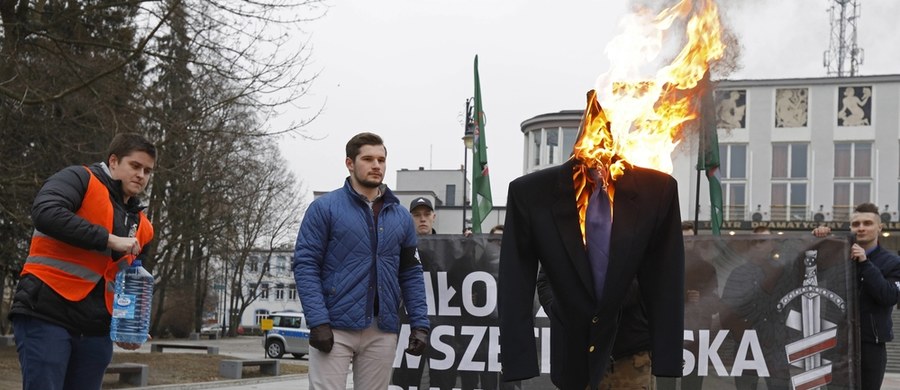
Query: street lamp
[{"x": 468, "y": 140}]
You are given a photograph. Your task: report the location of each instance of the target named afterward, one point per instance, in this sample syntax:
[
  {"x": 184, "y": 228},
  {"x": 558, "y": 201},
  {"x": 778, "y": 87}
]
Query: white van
[{"x": 289, "y": 334}]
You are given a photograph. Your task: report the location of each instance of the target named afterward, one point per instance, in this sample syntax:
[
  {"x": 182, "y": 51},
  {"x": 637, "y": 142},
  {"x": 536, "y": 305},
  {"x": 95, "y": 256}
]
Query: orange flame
[{"x": 642, "y": 118}]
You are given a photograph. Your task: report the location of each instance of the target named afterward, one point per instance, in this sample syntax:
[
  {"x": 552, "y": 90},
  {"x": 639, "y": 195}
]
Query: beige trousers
[{"x": 370, "y": 352}]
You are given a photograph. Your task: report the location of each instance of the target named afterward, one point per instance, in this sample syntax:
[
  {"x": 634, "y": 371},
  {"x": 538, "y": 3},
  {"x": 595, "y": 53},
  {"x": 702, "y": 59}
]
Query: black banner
[{"x": 771, "y": 310}]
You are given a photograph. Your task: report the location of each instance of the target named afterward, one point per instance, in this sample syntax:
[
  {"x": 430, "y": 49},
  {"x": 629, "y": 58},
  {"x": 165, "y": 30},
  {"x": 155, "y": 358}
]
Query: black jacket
[
  {"x": 542, "y": 227},
  {"x": 879, "y": 291},
  {"x": 53, "y": 214},
  {"x": 633, "y": 335}
]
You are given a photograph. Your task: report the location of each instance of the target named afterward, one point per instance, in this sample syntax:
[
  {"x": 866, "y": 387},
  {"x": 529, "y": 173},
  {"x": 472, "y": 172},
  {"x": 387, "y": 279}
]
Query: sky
[{"x": 404, "y": 68}]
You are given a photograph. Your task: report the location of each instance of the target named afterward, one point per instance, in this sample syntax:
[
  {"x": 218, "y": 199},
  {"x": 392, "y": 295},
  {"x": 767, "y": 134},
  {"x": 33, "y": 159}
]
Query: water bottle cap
[{"x": 136, "y": 263}]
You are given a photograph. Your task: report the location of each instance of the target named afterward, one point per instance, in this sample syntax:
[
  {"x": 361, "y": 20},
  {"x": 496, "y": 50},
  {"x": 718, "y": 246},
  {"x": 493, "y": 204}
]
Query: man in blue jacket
[
  {"x": 879, "y": 290},
  {"x": 354, "y": 261}
]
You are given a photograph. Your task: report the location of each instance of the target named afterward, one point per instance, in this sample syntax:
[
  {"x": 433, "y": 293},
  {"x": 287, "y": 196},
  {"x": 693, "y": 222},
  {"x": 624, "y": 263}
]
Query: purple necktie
[{"x": 598, "y": 228}]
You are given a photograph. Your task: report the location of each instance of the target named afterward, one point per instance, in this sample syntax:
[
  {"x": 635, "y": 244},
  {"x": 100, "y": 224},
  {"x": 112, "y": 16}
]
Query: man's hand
[
  {"x": 322, "y": 338},
  {"x": 128, "y": 346},
  {"x": 693, "y": 296},
  {"x": 131, "y": 346},
  {"x": 821, "y": 231},
  {"x": 126, "y": 245},
  {"x": 418, "y": 341},
  {"x": 858, "y": 253}
]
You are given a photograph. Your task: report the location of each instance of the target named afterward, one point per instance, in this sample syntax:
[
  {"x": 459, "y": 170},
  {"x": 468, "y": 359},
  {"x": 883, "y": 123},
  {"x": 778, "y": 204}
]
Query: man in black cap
[
  {"x": 422, "y": 211},
  {"x": 423, "y": 215}
]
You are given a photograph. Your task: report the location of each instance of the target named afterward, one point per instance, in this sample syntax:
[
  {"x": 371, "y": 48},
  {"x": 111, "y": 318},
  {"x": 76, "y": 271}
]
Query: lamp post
[{"x": 468, "y": 140}]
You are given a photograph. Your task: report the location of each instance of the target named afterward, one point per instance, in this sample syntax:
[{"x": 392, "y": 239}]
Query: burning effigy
[{"x": 635, "y": 118}]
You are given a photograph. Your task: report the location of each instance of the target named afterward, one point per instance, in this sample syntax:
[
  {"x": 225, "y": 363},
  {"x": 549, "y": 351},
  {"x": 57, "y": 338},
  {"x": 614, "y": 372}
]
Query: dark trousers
[
  {"x": 438, "y": 379},
  {"x": 53, "y": 359},
  {"x": 873, "y": 358}
]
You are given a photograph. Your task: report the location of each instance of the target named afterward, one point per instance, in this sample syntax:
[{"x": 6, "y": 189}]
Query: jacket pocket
[
  {"x": 874, "y": 327},
  {"x": 27, "y": 292}
]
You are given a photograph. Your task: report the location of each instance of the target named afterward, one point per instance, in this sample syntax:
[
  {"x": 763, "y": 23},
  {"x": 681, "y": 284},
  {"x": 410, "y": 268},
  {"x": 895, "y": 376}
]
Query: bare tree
[
  {"x": 203, "y": 78},
  {"x": 271, "y": 210}
]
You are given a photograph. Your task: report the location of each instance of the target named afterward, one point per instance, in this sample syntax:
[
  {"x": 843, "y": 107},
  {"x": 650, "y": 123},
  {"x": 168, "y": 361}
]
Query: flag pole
[
  {"x": 467, "y": 144},
  {"x": 697, "y": 197},
  {"x": 700, "y": 149},
  {"x": 697, "y": 206}
]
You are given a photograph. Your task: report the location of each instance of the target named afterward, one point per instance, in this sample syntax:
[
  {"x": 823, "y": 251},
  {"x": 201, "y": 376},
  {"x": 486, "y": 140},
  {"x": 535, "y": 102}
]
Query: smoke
[{"x": 731, "y": 60}]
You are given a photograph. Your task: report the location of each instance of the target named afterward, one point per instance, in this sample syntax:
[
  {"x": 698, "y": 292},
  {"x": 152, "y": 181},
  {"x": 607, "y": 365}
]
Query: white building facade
[{"x": 268, "y": 282}]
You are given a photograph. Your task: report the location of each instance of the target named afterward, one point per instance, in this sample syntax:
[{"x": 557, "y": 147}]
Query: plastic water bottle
[{"x": 131, "y": 305}]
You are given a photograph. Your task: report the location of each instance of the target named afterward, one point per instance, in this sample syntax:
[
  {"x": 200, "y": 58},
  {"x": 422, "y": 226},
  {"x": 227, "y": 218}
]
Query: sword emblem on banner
[{"x": 819, "y": 335}]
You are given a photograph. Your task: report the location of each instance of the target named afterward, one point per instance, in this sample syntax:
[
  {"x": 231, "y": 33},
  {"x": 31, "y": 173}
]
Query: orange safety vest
[{"x": 72, "y": 271}]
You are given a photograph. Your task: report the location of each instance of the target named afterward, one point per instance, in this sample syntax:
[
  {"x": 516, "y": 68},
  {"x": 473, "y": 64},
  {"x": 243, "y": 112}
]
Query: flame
[{"x": 642, "y": 118}]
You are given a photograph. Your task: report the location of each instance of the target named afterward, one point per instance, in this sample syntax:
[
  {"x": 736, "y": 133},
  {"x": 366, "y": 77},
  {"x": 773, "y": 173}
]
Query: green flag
[
  {"x": 481, "y": 180},
  {"x": 708, "y": 158}
]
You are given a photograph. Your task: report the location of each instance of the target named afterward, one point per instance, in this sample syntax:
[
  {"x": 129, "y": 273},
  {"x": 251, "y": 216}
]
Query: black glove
[
  {"x": 322, "y": 338},
  {"x": 418, "y": 341}
]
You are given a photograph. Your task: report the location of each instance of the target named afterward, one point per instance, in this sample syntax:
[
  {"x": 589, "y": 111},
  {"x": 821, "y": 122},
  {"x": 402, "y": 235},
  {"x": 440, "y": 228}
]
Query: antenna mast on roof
[{"x": 843, "y": 56}]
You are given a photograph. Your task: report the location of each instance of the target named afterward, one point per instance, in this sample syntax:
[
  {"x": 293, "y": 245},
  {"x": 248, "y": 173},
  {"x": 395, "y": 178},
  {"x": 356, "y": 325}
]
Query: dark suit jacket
[{"x": 542, "y": 226}]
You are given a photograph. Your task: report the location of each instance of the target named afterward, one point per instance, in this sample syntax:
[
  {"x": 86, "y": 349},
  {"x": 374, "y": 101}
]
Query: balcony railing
[
  {"x": 788, "y": 213},
  {"x": 736, "y": 213},
  {"x": 841, "y": 212}
]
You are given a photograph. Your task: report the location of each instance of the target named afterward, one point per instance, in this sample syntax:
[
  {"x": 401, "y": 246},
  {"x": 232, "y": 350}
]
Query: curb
[{"x": 228, "y": 383}]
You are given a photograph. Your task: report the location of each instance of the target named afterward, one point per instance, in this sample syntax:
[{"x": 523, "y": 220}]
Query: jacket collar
[
  {"x": 101, "y": 171},
  {"x": 386, "y": 193}
]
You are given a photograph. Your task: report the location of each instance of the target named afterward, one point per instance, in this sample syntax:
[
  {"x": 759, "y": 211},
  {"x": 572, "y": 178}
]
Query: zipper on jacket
[
  {"x": 373, "y": 266},
  {"x": 874, "y": 328}
]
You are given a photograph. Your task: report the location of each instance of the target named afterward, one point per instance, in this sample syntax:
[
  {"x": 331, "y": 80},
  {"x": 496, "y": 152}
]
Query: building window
[
  {"x": 789, "y": 182},
  {"x": 260, "y": 314},
  {"x": 254, "y": 264},
  {"x": 451, "y": 194},
  {"x": 552, "y": 146},
  {"x": 279, "y": 292},
  {"x": 733, "y": 176},
  {"x": 852, "y": 177},
  {"x": 280, "y": 265},
  {"x": 292, "y": 292},
  {"x": 536, "y": 147},
  {"x": 570, "y": 135},
  {"x": 264, "y": 291}
]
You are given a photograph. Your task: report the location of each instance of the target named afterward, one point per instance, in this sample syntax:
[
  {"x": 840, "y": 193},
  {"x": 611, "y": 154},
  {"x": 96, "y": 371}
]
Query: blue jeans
[{"x": 54, "y": 359}]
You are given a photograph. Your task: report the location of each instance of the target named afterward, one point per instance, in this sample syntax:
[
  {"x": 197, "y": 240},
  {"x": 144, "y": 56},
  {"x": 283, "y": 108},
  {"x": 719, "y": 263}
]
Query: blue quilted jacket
[{"x": 340, "y": 254}]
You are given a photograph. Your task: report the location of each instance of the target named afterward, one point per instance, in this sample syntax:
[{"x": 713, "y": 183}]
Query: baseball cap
[{"x": 420, "y": 201}]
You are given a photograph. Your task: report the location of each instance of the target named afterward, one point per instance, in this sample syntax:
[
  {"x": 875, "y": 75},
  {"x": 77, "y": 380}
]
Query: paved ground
[
  {"x": 251, "y": 348},
  {"x": 299, "y": 382},
  {"x": 244, "y": 347}
]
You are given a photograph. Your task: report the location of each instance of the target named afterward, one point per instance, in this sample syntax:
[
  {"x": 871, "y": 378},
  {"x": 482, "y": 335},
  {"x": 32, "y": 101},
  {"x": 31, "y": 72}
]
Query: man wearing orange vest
[{"x": 88, "y": 225}]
